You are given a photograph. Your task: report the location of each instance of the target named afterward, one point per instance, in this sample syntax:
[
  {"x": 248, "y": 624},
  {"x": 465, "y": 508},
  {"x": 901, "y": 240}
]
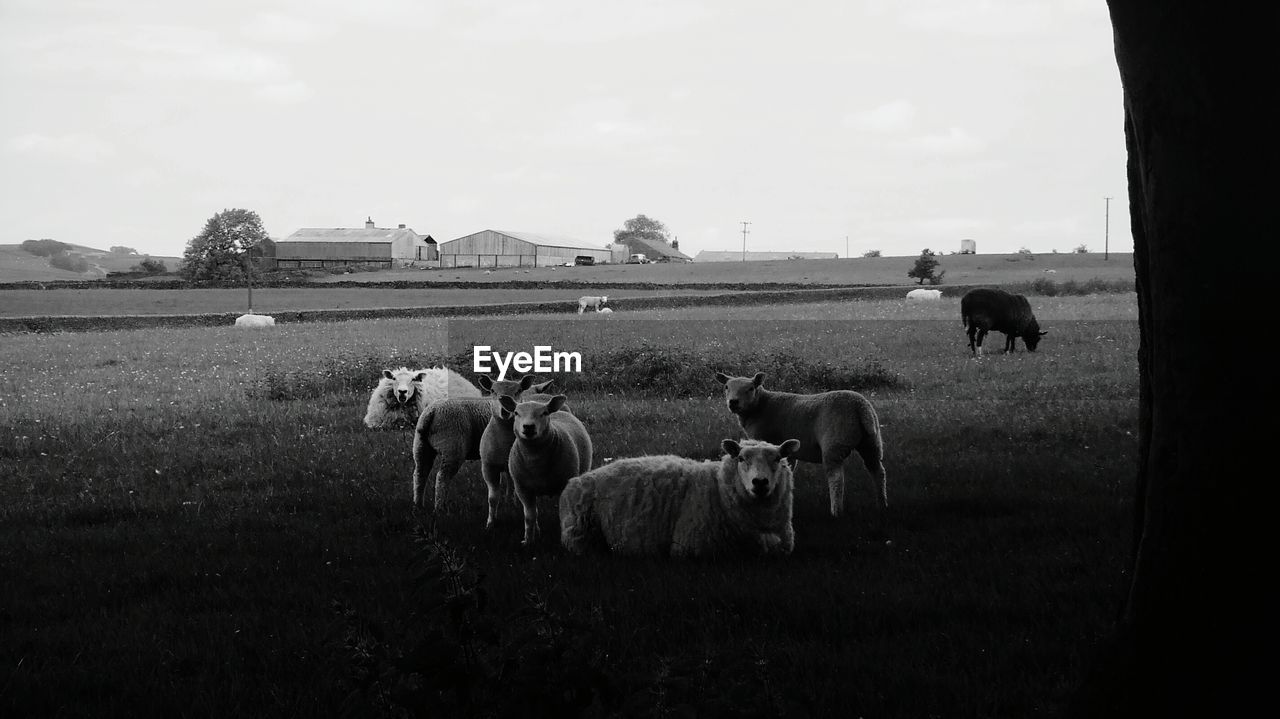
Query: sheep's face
[
  {"x": 511, "y": 388},
  {"x": 532, "y": 420},
  {"x": 741, "y": 393},
  {"x": 403, "y": 384},
  {"x": 761, "y": 467}
]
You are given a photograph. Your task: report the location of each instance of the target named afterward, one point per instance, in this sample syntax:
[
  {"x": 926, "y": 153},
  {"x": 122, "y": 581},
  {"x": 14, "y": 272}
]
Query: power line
[{"x": 744, "y": 240}]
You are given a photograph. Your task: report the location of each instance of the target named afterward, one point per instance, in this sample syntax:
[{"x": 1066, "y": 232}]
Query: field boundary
[{"x": 88, "y": 323}]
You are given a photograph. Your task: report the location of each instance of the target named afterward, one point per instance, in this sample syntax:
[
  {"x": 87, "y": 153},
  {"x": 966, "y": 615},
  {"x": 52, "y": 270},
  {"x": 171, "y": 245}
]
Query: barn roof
[
  {"x": 736, "y": 256},
  {"x": 550, "y": 240},
  {"x": 352, "y": 234},
  {"x": 654, "y": 249}
]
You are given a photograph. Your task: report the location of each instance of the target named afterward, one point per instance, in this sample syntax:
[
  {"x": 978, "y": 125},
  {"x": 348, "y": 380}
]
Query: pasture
[{"x": 194, "y": 521}]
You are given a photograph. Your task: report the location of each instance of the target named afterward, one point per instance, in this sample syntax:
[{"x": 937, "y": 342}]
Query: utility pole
[
  {"x": 744, "y": 240},
  {"x": 846, "y": 247},
  {"x": 1106, "y": 238}
]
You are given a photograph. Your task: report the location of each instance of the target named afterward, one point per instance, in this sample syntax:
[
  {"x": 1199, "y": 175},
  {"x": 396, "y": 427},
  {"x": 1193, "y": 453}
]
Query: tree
[
  {"x": 1081, "y": 250},
  {"x": 926, "y": 263},
  {"x": 45, "y": 247},
  {"x": 220, "y": 251},
  {"x": 122, "y": 250},
  {"x": 1197, "y": 596},
  {"x": 150, "y": 266},
  {"x": 642, "y": 228},
  {"x": 70, "y": 261},
  {"x": 871, "y": 253}
]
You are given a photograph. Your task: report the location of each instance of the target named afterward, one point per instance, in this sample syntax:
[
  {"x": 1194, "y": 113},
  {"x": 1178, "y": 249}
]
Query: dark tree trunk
[{"x": 1199, "y": 79}]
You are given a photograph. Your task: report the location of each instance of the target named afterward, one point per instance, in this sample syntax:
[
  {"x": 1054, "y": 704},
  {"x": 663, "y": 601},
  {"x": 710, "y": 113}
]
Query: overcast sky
[{"x": 902, "y": 124}]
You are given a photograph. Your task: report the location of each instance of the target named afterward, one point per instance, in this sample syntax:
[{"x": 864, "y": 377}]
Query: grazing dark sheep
[{"x": 984, "y": 310}]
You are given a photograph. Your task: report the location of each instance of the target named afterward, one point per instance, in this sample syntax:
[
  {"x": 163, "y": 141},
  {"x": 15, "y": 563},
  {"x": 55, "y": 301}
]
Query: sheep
[
  {"x": 831, "y": 426},
  {"x": 452, "y": 429},
  {"x": 498, "y": 437},
  {"x": 591, "y": 301},
  {"x": 550, "y": 448},
  {"x": 402, "y": 394},
  {"x": 923, "y": 294},
  {"x": 252, "y": 320},
  {"x": 668, "y": 505},
  {"x": 604, "y": 311}
]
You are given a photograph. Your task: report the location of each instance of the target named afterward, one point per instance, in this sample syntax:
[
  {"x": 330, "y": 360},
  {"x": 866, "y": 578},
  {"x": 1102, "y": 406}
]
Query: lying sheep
[
  {"x": 831, "y": 426},
  {"x": 452, "y": 429},
  {"x": 604, "y": 311},
  {"x": 550, "y": 448},
  {"x": 667, "y": 505},
  {"x": 591, "y": 301},
  {"x": 252, "y": 320},
  {"x": 402, "y": 394}
]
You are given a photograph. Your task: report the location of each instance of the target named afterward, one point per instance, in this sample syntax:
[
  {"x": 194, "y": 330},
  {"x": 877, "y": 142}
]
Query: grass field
[
  {"x": 194, "y": 522},
  {"x": 960, "y": 270},
  {"x": 105, "y": 302},
  {"x": 17, "y": 265}
]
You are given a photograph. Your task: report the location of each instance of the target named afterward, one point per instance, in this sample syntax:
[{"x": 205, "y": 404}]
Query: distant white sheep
[
  {"x": 604, "y": 311},
  {"x": 923, "y": 294},
  {"x": 252, "y": 320},
  {"x": 831, "y": 427},
  {"x": 551, "y": 447},
  {"x": 667, "y": 505},
  {"x": 452, "y": 430},
  {"x": 402, "y": 394},
  {"x": 592, "y": 301},
  {"x": 1052, "y": 271}
]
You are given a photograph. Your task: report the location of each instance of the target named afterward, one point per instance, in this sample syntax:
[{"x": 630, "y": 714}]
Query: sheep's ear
[
  {"x": 526, "y": 382},
  {"x": 387, "y": 373},
  {"x": 544, "y": 387},
  {"x": 730, "y": 447},
  {"x": 485, "y": 383},
  {"x": 721, "y": 377},
  {"x": 758, "y": 379},
  {"x": 419, "y": 376},
  {"x": 507, "y": 403},
  {"x": 556, "y": 403},
  {"x": 789, "y": 448}
]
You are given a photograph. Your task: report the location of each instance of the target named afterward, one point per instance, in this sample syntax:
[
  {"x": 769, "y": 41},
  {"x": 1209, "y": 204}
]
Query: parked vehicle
[
  {"x": 638, "y": 259},
  {"x": 584, "y": 260}
]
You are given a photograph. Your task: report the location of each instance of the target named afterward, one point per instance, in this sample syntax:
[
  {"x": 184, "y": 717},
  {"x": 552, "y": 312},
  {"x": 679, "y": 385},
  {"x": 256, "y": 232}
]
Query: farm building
[
  {"x": 655, "y": 250},
  {"x": 502, "y": 248},
  {"x": 737, "y": 256},
  {"x": 324, "y": 247}
]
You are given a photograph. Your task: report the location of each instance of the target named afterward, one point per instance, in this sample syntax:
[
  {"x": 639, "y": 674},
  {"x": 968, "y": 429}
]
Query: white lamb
[
  {"x": 451, "y": 430},
  {"x": 831, "y": 426},
  {"x": 499, "y": 436},
  {"x": 591, "y": 301},
  {"x": 923, "y": 294},
  {"x": 604, "y": 311},
  {"x": 253, "y": 320},
  {"x": 667, "y": 505},
  {"x": 551, "y": 447},
  {"x": 402, "y": 394}
]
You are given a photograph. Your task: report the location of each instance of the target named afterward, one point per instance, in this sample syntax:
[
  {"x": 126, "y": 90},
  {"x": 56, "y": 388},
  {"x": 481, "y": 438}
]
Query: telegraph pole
[
  {"x": 846, "y": 247},
  {"x": 744, "y": 240},
  {"x": 1106, "y": 238}
]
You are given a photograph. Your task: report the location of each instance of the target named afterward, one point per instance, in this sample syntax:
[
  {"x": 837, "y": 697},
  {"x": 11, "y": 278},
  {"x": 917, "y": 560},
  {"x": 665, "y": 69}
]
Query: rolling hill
[{"x": 17, "y": 265}]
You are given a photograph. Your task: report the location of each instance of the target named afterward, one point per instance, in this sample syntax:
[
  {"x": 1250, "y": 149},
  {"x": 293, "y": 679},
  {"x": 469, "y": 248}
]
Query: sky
[{"x": 890, "y": 125}]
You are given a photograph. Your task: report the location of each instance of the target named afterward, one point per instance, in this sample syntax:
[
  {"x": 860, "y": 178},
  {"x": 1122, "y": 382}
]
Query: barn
[
  {"x": 738, "y": 256},
  {"x": 503, "y": 248},
  {"x": 313, "y": 247}
]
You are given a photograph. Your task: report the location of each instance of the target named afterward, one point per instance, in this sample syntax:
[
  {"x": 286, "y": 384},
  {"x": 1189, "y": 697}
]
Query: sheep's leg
[
  {"x": 424, "y": 455},
  {"x": 833, "y": 467},
  {"x": 449, "y": 466},
  {"x": 876, "y": 468},
  {"x": 530, "y": 504},
  {"x": 493, "y": 474}
]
